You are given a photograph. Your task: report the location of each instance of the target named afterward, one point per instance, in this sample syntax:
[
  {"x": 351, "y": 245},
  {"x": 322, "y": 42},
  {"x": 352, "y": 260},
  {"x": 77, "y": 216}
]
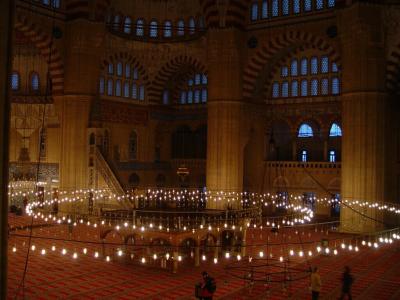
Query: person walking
[
  {"x": 315, "y": 284},
  {"x": 347, "y": 281}
]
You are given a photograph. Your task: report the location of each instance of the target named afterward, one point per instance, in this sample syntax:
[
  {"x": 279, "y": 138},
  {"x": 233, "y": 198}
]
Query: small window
[
  {"x": 127, "y": 70},
  {"x": 275, "y": 90},
  {"x": 166, "y": 97},
  {"x": 126, "y": 89},
  {"x": 128, "y": 25},
  {"x": 296, "y": 6},
  {"x": 204, "y": 96},
  {"x": 119, "y": 69},
  {"x": 335, "y": 130},
  {"x": 314, "y": 87},
  {"x": 304, "y": 88},
  {"x": 264, "y": 9},
  {"x": 284, "y": 71},
  {"x": 305, "y": 130},
  {"x": 331, "y": 3},
  {"x": 110, "y": 87},
  {"x": 324, "y": 86},
  {"x": 167, "y": 29},
  {"x": 201, "y": 23},
  {"x": 293, "y": 68},
  {"x": 335, "y": 68},
  {"x": 275, "y": 8},
  {"x": 135, "y": 74},
  {"x": 254, "y": 11},
  {"x": 307, "y": 5},
  {"x": 55, "y": 3},
  {"x": 116, "y": 22},
  {"x": 132, "y": 145},
  {"x": 192, "y": 26},
  {"x": 304, "y": 66},
  {"x": 101, "y": 86},
  {"x": 295, "y": 88},
  {"x": 197, "y": 79},
  {"x": 141, "y": 93},
  {"x": 320, "y": 4},
  {"x": 110, "y": 68},
  {"x": 335, "y": 86},
  {"x": 285, "y": 7},
  {"x": 196, "y": 96},
  {"x": 303, "y": 156},
  {"x": 140, "y": 27},
  {"x": 324, "y": 64},
  {"x": 153, "y": 29},
  {"x": 46, "y": 2},
  {"x": 332, "y": 156},
  {"x": 118, "y": 88},
  {"x": 181, "y": 28},
  {"x": 134, "y": 91},
  {"x": 190, "y": 97},
  {"x": 285, "y": 89},
  {"x": 190, "y": 82},
  {"x": 314, "y": 65},
  {"x": 183, "y": 97},
  {"x": 204, "y": 79},
  {"x": 35, "y": 82}
]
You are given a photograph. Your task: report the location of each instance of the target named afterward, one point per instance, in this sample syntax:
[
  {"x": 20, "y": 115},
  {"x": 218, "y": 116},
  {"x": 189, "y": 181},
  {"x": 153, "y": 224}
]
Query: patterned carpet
[{"x": 57, "y": 276}]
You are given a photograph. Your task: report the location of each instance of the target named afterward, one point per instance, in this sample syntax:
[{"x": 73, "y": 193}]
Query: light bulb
[
  {"x": 143, "y": 260},
  {"x": 75, "y": 256},
  {"x": 43, "y": 252},
  {"x": 227, "y": 255},
  {"x": 203, "y": 257},
  {"x": 215, "y": 260},
  {"x": 96, "y": 254},
  {"x": 238, "y": 257}
]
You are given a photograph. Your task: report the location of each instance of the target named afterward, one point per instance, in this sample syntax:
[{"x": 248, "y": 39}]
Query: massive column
[
  {"x": 225, "y": 113},
  {"x": 363, "y": 117},
  {"x": 5, "y": 63}
]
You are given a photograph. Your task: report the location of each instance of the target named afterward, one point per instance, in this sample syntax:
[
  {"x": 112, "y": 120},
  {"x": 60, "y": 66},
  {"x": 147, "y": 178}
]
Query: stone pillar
[
  {"x": 225, "y": 142},
  {"x": 197, "y": 256},
  {"x": 244, "y": 243},
  {"x": 363, "y": 114},
  {"x": 175, "y": 262},
  {"x": 6, "y": 12}
]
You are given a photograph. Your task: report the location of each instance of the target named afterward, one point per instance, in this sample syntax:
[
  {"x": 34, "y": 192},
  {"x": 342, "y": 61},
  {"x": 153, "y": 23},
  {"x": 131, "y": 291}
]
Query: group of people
[
  {"x": 347, "y": 281},
  {"x": 206, "y": 289}
]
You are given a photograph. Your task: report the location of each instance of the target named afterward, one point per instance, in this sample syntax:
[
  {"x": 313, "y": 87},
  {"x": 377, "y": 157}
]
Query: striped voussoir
[
  {"x": 170, "y": 68},
  {"x": 234, "y": 11},
  {"x": 393, "y": 71},
  {"x": 257, "y": 63},
  {"x": 42, "y": 40}
]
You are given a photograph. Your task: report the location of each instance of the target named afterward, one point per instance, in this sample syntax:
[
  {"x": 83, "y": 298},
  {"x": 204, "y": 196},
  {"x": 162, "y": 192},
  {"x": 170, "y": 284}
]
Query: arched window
[
  {"x": 110, "y": 68},
  {"x": 15, "y": 81},
  {"x": 119, "y": 69},
  {"x": 183, "y": 97},
  {"x": 331, "y": 3},
  {"x": 167, "y": 29},
  {"x": 135, "y": 74},
  {"x": 275, "y": 90},
  {"x": 285, "y": 89},
  {"x": 196, "y": 96},
  {"x": 197, "y": 79},
  {"x": 141, "y": 93},
  {"x": 118, "y": 88},
  {"x": 55, "y": 3},
  {"x": 293, "y": 68},
  {"x": 204, "y": 96},
  {"x": 295, "y": 88},
  {"x": 166, "y": 97},
  {"x": 192, "y": 26},
  {"x": 190, "y": 97},
  {"x": 320, "y": 4},
  {"x": 139, "y": 27},
  {"x": 324, "y": 86},
  {"x": 204, "y": 79},
  {"x": 335, "y": 130},
  {"x": 314, "y": 65},
  {"x": 284, "y": 71},
  {"x": 275, "y": 8},
  {"x": 303, "y": 157},
  {"x": 307, "y": 5},
  {"x": 304, "y": 88},
  {"x": 126, "y": 89},
  {"x": 110, "y": 87},
  {"x": 285, "y": 7},
  {"x": 132, "y": 149},
  {"x": 128, "y": 25},
  {"x": 116, "y": 22},
  {"x": 127, "y": 70},
  {"x": 314, "y": 87},
  {"x": 304, "y": 66},
  {"x": 264, "y": 9},
  {"x": 332, "y": 156},
  {"x": 305, "y": 130},
  {"x": 153, "y": 29},
  {"x": 181, "y": 28},
  {"x": 296, "y": 6},
  {"x": 46, "y": 2},
  {"x": 101, "y": 86},
  {"x": 134, "y": 91},
  {"x": 335, "y": 68},
  {"x": 35, "y": 82},
  {"x": 335, "y": 86},
  {"x": 254, "y": 11},
  {"x": 324, "y": 64}
]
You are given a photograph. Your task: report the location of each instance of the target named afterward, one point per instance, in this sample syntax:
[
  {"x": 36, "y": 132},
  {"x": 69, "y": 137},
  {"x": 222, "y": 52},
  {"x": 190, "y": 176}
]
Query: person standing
[
  {"x": 315, "y": 283},
  {"x": 207, "y": 287},
  {"x": 347, "y": 281}
]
